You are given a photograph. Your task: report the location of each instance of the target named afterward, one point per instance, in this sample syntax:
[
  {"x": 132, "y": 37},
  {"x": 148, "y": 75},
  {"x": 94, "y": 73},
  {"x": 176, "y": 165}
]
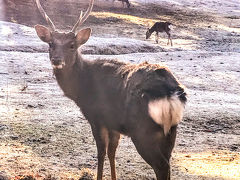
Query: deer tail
[{"x": 167, "y": 111}]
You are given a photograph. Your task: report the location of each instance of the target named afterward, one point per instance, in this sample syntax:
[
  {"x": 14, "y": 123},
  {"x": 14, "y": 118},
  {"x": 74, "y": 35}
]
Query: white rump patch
[
  {"x": 171, "y": 27},
  {"x": 166, "y": 111}
]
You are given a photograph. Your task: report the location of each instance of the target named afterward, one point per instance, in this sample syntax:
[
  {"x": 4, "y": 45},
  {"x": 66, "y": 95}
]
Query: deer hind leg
[
  {"x": 112, "y": 146},
  {"x": 156, "y": 37},
  {"x": 101, "y": 137},
  {"x": 169, "y": 39},
  {"x": 156, "y": 149}
]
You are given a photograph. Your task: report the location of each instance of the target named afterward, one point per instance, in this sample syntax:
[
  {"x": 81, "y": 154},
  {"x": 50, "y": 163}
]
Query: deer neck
[
  {"x": 152, "y": 29},
  {"x": 70, "y": 79}
]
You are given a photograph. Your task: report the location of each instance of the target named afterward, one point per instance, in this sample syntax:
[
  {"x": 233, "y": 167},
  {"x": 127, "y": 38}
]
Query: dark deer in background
[
  {"x": 144, "y": 101},
  {"x": 160, "y": 27},
  {"x": 124, "y": 1}
]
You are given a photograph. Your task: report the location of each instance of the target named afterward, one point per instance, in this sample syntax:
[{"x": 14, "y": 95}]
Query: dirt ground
[{"x": 44, "y": 135}]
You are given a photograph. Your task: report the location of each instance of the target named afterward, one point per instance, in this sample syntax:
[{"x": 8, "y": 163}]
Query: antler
[
  {"x": 45, "y": 16},
  {"x": 84, "y": 18}
]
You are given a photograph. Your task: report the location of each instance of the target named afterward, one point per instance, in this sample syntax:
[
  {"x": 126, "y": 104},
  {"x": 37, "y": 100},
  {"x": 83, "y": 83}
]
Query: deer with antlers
[{"x": 143, "y": 101}]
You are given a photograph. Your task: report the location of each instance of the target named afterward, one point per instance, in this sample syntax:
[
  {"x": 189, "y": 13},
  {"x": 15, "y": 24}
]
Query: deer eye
[{"x": 51, "y": 45}]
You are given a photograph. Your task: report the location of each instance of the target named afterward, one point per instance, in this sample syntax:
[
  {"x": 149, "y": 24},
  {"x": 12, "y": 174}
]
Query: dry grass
[
  {"x": 20, "y": 162},
  {"x": 222, "y": 164},
  {"x": 127, "y": 18}
]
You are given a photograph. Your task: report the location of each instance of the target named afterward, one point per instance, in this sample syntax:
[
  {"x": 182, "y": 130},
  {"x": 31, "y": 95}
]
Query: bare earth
[{"x": 43, "y": 134}]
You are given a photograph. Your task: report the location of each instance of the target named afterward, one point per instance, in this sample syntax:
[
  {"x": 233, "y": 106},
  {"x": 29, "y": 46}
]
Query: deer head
[
  {"x": 148, "y": 33},
  {"x": 63, "y": 45}
]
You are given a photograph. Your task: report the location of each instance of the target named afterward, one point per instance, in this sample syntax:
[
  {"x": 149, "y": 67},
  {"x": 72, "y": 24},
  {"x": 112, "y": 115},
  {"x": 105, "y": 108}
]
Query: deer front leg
[
  {"x": 156, "y": 37},
  {"x": 113, "y": 3},
  {"x": 123, "y": 4},
  {"x": 101, "y": 137},
  {"x": 112, "y": 146}
]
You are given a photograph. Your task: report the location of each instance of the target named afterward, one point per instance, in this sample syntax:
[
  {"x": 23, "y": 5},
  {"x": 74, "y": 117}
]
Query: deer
[
  {"x": 160, "y": 27},
  {"x": 124, "y": 1},
  {"x": 142, "y": 101}
]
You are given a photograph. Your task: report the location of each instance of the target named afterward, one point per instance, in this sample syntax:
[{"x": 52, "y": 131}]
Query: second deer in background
[
  {"x": 124, "y": 1},
  {"x": 160, "y": 27}
]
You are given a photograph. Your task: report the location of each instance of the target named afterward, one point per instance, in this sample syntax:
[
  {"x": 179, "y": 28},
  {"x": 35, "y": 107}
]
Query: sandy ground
[{"x": 43, "y": 134}]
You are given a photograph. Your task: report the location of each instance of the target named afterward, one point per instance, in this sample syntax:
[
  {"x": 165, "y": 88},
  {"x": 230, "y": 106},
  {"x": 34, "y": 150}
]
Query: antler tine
[
  {"x": 45, "y": 16},
  {"x": 77, "y": 23},
  {"x": 84, "y": 18}
]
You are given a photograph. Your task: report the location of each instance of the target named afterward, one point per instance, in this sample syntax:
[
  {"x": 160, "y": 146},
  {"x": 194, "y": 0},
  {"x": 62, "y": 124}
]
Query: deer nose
[{"x": 56, "y": 61}]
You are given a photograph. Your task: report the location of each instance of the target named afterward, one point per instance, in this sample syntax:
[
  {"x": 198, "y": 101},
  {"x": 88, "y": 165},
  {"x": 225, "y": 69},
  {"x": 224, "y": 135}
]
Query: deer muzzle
[{"x": 57, "y": 63}]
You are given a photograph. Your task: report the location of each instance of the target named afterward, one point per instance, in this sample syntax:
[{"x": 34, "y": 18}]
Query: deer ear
[
  {"x": 83, "y": 36},
  {"x": 43, "y": 33}
]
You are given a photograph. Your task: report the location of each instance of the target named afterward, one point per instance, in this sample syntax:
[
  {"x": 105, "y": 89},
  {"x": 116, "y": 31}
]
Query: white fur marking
[
  {"x": 57, "y": 67},
  {"x": 171, "y": 27},
  {"x": 166, "y": 111},
  {"x": 60, "y": 66}
]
